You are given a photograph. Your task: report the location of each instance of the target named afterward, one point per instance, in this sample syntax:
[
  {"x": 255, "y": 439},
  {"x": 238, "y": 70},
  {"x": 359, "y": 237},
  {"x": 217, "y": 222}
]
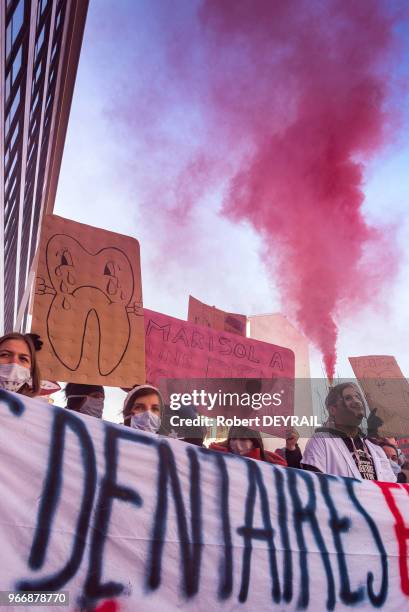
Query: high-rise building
[{"x": 40, "y": 48}]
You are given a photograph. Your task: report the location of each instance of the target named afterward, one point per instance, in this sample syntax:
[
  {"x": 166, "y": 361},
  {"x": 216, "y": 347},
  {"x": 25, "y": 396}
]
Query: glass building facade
[{"x": 41, "y": 42}]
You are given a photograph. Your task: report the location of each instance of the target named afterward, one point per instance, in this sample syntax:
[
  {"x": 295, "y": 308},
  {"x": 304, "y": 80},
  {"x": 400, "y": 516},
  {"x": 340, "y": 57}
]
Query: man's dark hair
[
  {"x": 75, "y": 403},
  {"x": 77, "y": 389},
  {"x": 335, "y": 393}
]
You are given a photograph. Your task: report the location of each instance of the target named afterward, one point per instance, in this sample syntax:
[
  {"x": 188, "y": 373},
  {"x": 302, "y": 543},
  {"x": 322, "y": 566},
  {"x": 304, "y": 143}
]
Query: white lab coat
[{"x": 329, "y": 453}]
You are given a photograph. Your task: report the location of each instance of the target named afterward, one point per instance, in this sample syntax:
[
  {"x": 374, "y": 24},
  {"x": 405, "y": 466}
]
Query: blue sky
[{"x": 106, "y": 175}]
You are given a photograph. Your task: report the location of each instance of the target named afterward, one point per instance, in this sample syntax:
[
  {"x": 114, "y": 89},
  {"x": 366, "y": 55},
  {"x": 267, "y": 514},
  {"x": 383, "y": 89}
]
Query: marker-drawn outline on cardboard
[{"x": 112, "y": 288}]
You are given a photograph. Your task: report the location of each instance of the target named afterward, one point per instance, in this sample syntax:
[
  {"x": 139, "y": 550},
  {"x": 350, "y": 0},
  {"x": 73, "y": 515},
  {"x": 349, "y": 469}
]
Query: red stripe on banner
[
  {"x": 401, "y": 530},
  {"x": 108, "y": 606}
]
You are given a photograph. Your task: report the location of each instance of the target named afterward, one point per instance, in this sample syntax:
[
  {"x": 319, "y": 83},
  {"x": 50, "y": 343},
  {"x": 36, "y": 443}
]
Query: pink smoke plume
[
  {"x": 302, "y": 89},
  {"x": 286, "y": 101}
]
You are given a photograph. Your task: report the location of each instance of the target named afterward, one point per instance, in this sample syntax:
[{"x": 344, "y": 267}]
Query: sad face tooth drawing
[{"x": 86, "y": 285}]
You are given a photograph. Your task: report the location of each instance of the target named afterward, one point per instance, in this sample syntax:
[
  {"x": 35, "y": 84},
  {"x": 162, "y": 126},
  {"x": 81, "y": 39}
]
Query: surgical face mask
[
  {"x": 13, "y": 376},
  {"x": 93, "y": 406},
  {"x": 147, "y": 421},
  {"x": 395, "y": 467},
  {"x": 401, "y": 458}
]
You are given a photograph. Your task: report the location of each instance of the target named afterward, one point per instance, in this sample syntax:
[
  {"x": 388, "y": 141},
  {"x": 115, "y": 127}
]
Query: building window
[
  {"x": 10, "y": 176},
  {"x": 13, "y": 73},
  {"x": 49, "y": 100},
  {"x": 41, "y": 8},
  {"x": 11, "y": 143},
  {"x": 17, "y": 63},
  {"x": 12, "y": 111},
  {"x": 58, "y": 19},
  {"x": 8, "y": 85},
  {"x": 54, "y": 51},
  {"x": 10, "y": 220},
  {"x": 40, "y": 41},
  {"x": 34, "y": 105},
  {"x": 11, "y": 200},
  {"x": 32, "y": 148},
  {"x": 33, "y": 127},
  {"x": 10, "y": 146},
  {"x": 38, "y": 72},
  {"x": 14, "y": 27},
  {"x": 52, "y": 74},
  {"x": 15, "y": 134}
]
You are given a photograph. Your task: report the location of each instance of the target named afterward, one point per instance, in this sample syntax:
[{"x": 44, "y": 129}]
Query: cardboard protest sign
[
  {"x": 105, "y": 517},
  {"x": 88, "y": 305},
  {"x": 278, "y": 329},
  {"x": 386, "y": 391},
  {"x": 178, "y": 349},
  {"x": 210, "y": 316}
]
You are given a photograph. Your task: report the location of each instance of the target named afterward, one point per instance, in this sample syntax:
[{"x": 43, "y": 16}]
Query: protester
[
  {"x": 401, "y": 457},
  {"x": 374, "y": 423},
  {"x": 340, "y": 447},
  {"x": 19, "y": 370},
  {"x": 143, "y": 408},
  {"x": 391, "y": 451},
  {"x": 247, "y": 443},
  {"x": 86, "y": 399},
  {"x": 291, "y": 452},
  {"x": 192, "y": 434}
]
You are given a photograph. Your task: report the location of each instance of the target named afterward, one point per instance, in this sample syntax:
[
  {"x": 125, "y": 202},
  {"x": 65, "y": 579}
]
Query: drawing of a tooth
[
  {"x": 112, "y": 287},
  {"x": 89, "y": 286}
]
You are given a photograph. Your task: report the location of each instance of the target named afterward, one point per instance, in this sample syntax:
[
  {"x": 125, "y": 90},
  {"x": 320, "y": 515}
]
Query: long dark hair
[
  {"x": 335, "y": 393},
  {"x": 239, "y": 432},
  {"x": 34, "y": 389},
  {"x": 139, "y": 391}
]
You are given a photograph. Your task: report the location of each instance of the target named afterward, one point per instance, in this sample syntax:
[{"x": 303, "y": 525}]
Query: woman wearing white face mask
[
  {"x": 391, "y": 452},
  {"x": 143, "y": 408},
  {"x": 18, "y": 364},
  {"x": 86, "y": 399}
]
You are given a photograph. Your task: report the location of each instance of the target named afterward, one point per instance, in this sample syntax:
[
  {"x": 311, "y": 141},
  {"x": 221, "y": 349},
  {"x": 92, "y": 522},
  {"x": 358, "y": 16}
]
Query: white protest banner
[{"x": 121, "y": 520}]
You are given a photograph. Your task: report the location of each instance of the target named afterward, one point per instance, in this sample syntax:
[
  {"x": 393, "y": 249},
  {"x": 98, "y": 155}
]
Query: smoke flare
[
  {"x": 286, "y": 101},
  {"x": 306, "y": 83}
]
